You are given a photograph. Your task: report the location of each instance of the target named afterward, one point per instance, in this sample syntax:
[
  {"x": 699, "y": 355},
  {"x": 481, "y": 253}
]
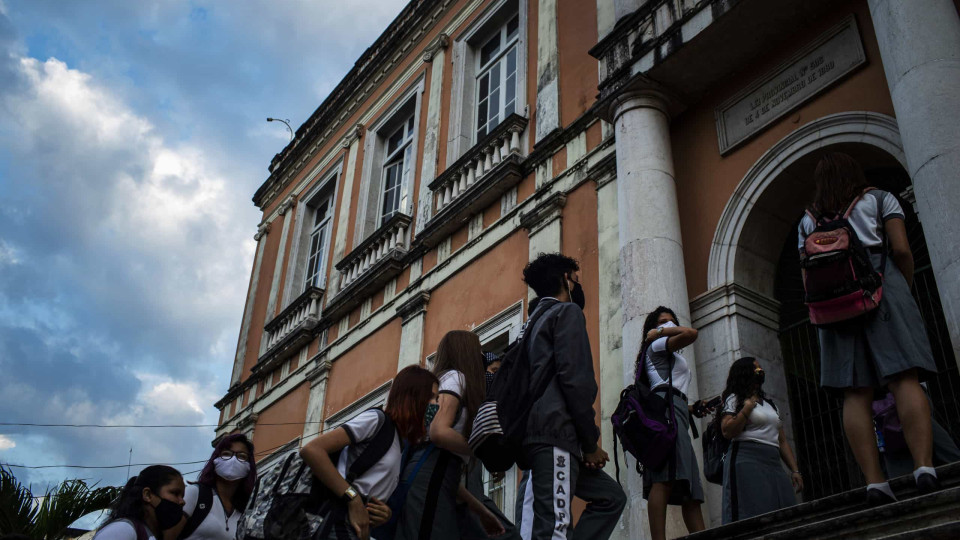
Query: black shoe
[
  {"x": 927, "y": 483},
  {"x": 875, "y": 497}
]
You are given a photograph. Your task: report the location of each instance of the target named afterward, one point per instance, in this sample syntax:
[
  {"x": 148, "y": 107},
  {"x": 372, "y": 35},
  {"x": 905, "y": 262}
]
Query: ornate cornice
[
  {"x": 321, "y": 371},
  {"x": 442, "y": 41},
  {"x": 416, "y": 305}
]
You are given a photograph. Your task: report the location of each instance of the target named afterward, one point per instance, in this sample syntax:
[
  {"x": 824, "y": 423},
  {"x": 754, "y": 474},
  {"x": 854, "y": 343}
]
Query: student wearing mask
[
  {"x": 412, "y": 390},
  {"x": 560, "y": 447},
  {"x": 677, "y": 482},
  {"x": 885, "y": 347},
  {"x": 149, "y": 504},
  {"x": 214, "y": 504},
  {"x": 754, "y": 481},
  {"x": 430, "y": 510}
]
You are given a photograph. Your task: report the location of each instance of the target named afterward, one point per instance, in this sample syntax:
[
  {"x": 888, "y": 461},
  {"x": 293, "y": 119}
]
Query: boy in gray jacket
[{"x": 560, "y": 447}]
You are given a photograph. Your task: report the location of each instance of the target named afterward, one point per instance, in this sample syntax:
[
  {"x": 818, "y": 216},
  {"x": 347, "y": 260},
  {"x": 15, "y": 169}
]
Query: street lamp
[{"x": 285, "y": 122}]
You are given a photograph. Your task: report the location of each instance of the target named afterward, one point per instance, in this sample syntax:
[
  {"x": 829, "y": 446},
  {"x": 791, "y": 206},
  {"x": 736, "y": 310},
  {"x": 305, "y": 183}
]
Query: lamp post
[{"x": 285, "y": 122}]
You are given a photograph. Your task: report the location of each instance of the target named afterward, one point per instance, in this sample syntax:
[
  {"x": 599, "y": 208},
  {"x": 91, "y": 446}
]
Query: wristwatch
[{"x": 350, "y": 494}]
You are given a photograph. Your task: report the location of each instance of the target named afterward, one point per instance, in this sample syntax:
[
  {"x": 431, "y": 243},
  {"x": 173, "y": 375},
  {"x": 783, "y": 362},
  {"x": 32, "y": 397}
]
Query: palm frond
[
  {"x": 68, "y": 502},
  {"x": 17, "y": 509}
]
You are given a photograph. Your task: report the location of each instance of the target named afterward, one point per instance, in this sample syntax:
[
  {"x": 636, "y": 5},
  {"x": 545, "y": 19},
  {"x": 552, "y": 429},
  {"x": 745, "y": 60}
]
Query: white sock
[
  {"x": 924, "y": 470},
  {"x": 883, "y": 487}
]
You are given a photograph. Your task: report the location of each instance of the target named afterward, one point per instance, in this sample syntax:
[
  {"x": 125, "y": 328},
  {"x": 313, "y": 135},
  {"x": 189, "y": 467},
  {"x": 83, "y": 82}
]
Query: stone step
[
  {"x": 845, "y": 515},
  {"x": 945, "y": 531}
]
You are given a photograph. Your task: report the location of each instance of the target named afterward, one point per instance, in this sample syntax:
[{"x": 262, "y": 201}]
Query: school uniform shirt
[
  {"x": 658, "y": 362},
  {"x": 452, "y": 382},
  {"x": 120, "y": 530},
  {"x": 382, "y": 478},
  {"x": 217, "y": 525},
  {"x": 864, "y": 219},
  {"x": 763, "y": 424}
]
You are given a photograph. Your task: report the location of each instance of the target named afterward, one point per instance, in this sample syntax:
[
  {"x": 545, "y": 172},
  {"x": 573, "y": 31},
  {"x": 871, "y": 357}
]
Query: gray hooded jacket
[{"x": 558, "y": 347}]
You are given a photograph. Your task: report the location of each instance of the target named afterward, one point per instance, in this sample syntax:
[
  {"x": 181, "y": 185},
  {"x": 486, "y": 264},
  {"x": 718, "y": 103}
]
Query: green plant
[{"x": 47, "y": 517}]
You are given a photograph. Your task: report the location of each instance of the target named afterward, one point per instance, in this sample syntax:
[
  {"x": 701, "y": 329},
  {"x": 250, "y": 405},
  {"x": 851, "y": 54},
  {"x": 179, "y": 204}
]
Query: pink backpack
[{"x": 839, "y": 280}]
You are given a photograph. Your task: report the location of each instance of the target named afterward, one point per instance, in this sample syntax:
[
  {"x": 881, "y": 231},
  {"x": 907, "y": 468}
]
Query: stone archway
[{"x": 739, "y": 315}]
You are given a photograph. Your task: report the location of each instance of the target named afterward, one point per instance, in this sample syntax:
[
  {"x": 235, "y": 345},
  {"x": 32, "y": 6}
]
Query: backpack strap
[
  {"x": 200, "y": 511},
  {"x": 846, "y": 214},
  {"x": 375, "y": 449},
  {"x": 882, "y": 233}
]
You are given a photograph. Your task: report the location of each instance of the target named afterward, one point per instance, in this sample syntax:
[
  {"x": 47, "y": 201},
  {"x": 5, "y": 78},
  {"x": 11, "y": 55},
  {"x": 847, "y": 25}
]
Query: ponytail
[{"x": 129, "y": 504}]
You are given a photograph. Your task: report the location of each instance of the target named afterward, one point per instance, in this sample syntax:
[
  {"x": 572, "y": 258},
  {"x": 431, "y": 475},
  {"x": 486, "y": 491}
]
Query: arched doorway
[
  {"x": 826, "y": 460},
  {"x": 754, "y": 275}
]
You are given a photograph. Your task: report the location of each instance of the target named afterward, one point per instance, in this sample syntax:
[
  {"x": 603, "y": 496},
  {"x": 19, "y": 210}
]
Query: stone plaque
[{"x": 810, "y": 71}]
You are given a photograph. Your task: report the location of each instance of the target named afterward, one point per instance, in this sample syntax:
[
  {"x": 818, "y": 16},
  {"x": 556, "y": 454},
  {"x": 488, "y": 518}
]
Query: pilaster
[
  {"x": 318, "y": 376},
  {"x": 434, "y": 55},
  {"x": 262, "y": 231},
  {"x": 543, "y": 225},
  {"x": 412, "y": 314},
  {"x": 352, "y": 143},
  {"x": 284, "y": 211},
  {"x": 548, "y": 70}
]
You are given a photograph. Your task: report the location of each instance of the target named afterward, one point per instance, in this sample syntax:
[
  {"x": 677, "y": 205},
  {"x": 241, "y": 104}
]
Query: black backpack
[
  {"x": 715, "y": 447},
  {"x": 200, "y": 512},
  {"x": 501, "y": 422},
  {"x": 289, "y": 503}
]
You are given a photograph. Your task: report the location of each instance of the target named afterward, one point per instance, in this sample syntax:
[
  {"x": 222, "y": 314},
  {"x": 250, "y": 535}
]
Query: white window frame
[
  {"x": 508, "y": 322},
  {"x": 317, "y": 277},
  {"x": 373, "y": 174},
  {"x": 466, "y": 49},
  {"x": 299, "y": 258},
  {"x": 402, "y": 158},
  {"x": 498, "y": 63}
]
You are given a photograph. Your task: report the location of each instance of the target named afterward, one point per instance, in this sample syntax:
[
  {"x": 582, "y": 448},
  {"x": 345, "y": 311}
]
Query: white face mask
[
  {"x": 668, "y": 324},
  {"x": 231, "y": 469}
]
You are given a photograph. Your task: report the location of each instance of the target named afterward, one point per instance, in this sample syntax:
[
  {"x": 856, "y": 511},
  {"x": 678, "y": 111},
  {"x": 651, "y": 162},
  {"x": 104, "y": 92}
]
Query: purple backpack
[
  {"x": 888, "y": 423},
  {"x": 645, "y": 423}
]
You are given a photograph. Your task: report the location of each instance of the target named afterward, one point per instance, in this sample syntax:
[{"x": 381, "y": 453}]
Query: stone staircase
[{"x": 934, "y": 516}]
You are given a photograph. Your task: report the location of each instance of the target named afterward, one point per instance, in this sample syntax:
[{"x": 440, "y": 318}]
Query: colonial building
[{"x": 666, "y": 144}]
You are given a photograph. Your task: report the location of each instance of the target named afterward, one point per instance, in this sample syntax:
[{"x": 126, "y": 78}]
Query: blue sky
[{"x": 132, "y": 137}]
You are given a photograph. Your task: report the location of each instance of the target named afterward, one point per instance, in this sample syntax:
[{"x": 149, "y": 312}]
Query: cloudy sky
[{"x": 132, "y": 137}]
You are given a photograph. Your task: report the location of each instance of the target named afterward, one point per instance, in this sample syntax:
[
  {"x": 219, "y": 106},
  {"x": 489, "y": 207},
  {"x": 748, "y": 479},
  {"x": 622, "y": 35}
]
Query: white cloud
[
  {"x": 8, "y": 255},
  {"x": 6, "y": 443}
]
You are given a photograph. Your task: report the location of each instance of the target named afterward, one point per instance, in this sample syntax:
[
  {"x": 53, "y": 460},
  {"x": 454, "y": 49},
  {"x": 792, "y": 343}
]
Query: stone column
[
  {"x": 920, "y": 49},
  {"x": 262, "y": 231},
  {"x": 651, "y": 251},
  {"x": 412, "y": 314},
  {"x": 351, "y": 142},
  {"x": 548, "y": 70},
  {"x": 611, "y": 340},
  {"x": 318, "y": 376},
  {"x": 285, "y": 206},
  {"x": 434, "y": 55}
]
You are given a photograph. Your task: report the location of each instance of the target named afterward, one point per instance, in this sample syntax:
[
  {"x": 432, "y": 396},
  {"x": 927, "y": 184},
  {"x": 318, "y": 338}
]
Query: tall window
[
  {"x": 396, "y": 170},
  {"x": 497, "y": 77},
  {"x": 319, "y": 239}
]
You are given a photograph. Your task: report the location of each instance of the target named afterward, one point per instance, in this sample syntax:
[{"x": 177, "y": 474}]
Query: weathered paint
[
  {"x": 374, "y": 357},
  {"x": 285, "y": 415}
]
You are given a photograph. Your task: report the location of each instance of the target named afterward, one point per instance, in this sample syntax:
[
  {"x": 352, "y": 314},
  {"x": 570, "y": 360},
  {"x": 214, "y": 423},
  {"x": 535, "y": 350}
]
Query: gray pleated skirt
[
  {"x": 430, "y": 511},
  {"x": 686, "y": 477},
  {"x": 870, "y": 350},
  {"x": 754, "y": 481}
]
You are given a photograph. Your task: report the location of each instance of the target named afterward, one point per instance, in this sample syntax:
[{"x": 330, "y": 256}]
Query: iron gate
[{"x": 825, "y": 458}]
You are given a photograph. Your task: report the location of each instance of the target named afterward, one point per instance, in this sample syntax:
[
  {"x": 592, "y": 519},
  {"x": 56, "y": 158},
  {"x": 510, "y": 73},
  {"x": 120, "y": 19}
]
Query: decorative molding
[
  {"x": 862, "y": 127},
  {"x": 604, "y": 171},
  {"x": 543, "y": 213},
  {"x": 287, "y": 204},
  {"x": 262, "y": 230},
  {"x": 354, "y": 134},
  {"x": 416, "y": 305},
  {"x": 321, "y": 372},
  {"x": 442, "y": 41},
  {"x": 376, "y": 397},
  {"x": 735, "y": 299}
]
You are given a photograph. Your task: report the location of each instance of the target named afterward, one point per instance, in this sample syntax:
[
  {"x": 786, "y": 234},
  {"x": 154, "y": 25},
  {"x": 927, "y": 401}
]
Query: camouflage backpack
[{"x": 289, "y": 503}]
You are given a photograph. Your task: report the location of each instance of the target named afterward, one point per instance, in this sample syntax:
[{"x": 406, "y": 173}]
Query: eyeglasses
[{"x": 241, "y": 456}]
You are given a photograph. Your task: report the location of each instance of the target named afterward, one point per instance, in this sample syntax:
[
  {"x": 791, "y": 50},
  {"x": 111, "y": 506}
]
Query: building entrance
[{"x": 825, "y": 459}]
